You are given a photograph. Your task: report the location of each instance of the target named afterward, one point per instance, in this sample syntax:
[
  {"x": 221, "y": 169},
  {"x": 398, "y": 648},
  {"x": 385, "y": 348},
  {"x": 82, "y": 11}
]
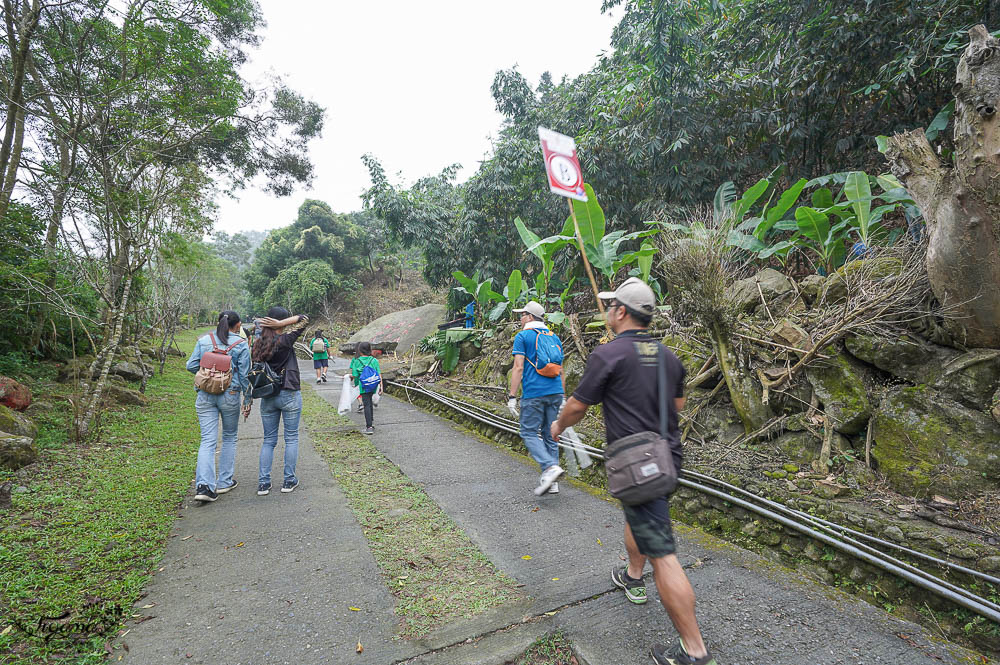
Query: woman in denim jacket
[{"x": 227, "y": 406}]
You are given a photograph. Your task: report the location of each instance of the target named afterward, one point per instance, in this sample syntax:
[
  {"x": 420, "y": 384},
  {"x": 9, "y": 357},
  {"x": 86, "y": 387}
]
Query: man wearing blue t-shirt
[{"x": 541, "y": 398}]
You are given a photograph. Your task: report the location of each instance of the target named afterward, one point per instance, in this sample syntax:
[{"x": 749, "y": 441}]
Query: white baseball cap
[
  {"x": 532, "y": 308},
  {"x": 634, "y": 293}
]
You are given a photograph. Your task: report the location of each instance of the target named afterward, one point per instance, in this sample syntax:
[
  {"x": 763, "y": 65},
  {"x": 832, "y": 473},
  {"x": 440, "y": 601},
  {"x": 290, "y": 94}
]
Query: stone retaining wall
[{"x": 794, "y": 549}]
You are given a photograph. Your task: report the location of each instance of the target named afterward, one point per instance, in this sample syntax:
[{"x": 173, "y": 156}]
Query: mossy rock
[
  {"x": 17, "y": 451},
  {"x": 835, "y": 290},
  {"x": 75, "y": 368},
  {"x": 925, "y": 442},
  {"x": 905, "y": 356},
  {"x": 691, "y": 355},
  {"x": 123, "y": 395},
  {"x": 468, "y": 350},
  {"x": 973, "y": 378},
  {"x": 779, "y": 293},
  {"x": 810, "y": 288},
  {"x": 803, "y": 448},
  {"x": 719, "y": 420},
  {"x": 970, "y": 378},
  {"x": 16, "y": 423},
  {"x": 421, "y": 365},
  {"x": 838, "y": 385}
]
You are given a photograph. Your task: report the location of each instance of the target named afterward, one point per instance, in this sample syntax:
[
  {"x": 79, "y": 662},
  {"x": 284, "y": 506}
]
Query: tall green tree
[{"x": 317, "y": 234}]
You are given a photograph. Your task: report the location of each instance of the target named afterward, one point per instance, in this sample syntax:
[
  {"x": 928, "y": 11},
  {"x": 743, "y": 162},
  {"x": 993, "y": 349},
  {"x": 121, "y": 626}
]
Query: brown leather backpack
[{"x": 215, "y": 370}]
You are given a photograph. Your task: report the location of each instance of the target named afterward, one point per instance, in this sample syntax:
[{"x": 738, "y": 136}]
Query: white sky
[{"x": 408, "y": 82}]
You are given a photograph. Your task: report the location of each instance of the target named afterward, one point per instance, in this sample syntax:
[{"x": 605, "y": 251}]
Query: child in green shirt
[
  {"x": 320, "y": 348},
  {"x": 361, "y": 361}
]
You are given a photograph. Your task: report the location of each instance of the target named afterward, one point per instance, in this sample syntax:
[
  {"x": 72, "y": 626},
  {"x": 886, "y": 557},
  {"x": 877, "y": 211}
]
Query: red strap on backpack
[{"x": 217, "y": 358}]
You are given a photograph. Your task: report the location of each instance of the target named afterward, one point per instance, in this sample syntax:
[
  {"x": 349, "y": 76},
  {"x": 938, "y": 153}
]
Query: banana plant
[
  {"x": 817, "y": 235},
  {"x": 608, "y": 259},
  {"x": 481, "y": 292},
  {"x": 544, "y": 251},
  {"x": 511, "y": 295}
]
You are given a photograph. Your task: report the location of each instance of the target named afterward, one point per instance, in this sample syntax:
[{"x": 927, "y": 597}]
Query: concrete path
[
  {"x": 283, "y": 595},
  {"x": 264, "y": 580}
]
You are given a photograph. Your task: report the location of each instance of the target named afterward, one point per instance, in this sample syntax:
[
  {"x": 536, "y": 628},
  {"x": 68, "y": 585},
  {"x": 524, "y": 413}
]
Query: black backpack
[{"x": 264, "y": 381}]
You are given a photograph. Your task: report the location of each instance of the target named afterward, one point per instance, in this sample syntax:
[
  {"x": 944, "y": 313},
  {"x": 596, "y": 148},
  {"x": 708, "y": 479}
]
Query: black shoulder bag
[
  {"x": 640, "y": 467},
  {"x": 264, "y": 381}
]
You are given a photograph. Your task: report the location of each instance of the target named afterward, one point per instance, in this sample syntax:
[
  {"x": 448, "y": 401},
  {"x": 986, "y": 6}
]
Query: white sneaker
[
  {"x": 549, "y": 476},
  {"x": 554, "y": 488},
  {"x": 318, "y": 380}
]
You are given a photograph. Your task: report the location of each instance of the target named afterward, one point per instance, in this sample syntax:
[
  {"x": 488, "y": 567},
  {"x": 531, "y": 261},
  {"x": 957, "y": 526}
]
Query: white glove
[{"x": 512, "y": 405}]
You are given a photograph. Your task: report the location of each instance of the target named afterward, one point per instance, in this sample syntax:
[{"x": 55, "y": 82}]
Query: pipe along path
[{"x": 832, "y": 534}]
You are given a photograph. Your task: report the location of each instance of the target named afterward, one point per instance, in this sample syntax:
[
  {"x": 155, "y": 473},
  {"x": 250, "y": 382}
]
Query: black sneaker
[
  {"x": 324, "y": 378},
  {"x": 289, "y": 486},
  {"x": 263, "y": 489},
  {"x": 635, "y": 590},
  {"x": 676, "y": 655},
  {"x": 223, "y": 490},
  {"x": 203, "y": 493}
]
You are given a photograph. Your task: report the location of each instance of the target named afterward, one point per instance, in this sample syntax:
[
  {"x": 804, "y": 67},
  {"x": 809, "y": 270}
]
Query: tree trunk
[
  {"x": 18, "y": 41},
  {"x": 744, "y": 391},
  {"x": 93, "y": 389},
  {"x": 961, "y": 203}
]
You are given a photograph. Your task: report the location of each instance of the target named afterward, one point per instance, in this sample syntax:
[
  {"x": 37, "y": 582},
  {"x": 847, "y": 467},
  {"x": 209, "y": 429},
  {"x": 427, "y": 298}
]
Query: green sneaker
[{"x": 635, "y": 590}]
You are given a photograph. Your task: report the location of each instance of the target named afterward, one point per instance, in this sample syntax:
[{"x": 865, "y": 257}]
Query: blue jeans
[
  {"x": 210, "y": 408},
  {"x": 288, "y": 406},
  {"x": 537, "y": 414}
]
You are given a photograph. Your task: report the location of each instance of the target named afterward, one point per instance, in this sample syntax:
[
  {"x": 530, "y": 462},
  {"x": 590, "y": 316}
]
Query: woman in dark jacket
[{"x": 276, "y": 347}]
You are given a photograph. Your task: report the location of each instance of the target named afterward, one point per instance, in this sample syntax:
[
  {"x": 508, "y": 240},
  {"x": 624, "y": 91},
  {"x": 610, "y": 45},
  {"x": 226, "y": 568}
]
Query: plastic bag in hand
[{"x": 348, "y": 393}]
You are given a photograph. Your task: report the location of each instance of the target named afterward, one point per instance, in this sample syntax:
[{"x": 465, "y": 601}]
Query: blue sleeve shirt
[{"x": 533, "y": 384}]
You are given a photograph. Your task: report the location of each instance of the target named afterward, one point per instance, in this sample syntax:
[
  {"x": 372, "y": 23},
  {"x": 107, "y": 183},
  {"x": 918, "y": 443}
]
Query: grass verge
[
  {"x": 552, "y": 649},
  {"x": 89, "y": 522},
  {"x": 435, "y": 571}
]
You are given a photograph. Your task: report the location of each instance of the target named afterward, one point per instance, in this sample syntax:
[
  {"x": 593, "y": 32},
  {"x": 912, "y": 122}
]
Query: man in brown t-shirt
[{"x": 622, "y": 376}]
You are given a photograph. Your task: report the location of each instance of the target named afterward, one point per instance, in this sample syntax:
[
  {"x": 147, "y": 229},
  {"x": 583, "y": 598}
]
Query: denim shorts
[
  {"x": 651, "y": 527},
  {"x": 321, "y": 363}
]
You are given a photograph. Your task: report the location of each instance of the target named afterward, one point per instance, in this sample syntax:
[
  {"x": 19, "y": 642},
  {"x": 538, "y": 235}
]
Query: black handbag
[
  {"x": 640, "y": 466},
  {"x": 264, "y": 381}
]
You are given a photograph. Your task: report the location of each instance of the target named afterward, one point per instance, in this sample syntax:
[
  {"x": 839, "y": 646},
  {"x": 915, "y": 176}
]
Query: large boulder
[
  {"x": 926, "y": 443},
  {"x": 14, "y": 422},
  {"x": 421, "y": 365},
  {"x": 778, "y": 291},
  {"x": 864, "y": 274},
  {"x": 405, "y": 328},
  {"x": 14, "y": 395},
  {"x": 16, "y": 451},
  {"x": 905, "y": 356},
  {"x": 838, "y": 385},
  {"x": 971, "y": 378},
  {"x": 130, "y": 371},
  {"x": 123, "y": 395}
]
